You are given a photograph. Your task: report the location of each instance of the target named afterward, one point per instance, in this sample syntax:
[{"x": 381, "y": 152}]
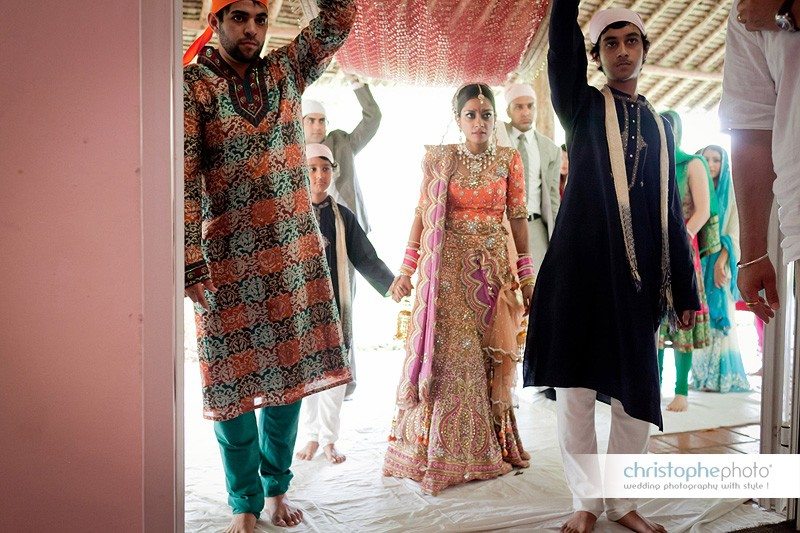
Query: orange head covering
[{"x": 216, "y": 7}]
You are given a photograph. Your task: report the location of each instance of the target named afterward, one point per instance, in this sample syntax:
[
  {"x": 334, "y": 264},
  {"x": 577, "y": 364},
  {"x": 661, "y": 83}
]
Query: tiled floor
[{"x": 739, "y": 439}]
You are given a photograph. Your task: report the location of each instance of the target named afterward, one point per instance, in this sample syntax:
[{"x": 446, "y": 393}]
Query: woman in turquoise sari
[{"x": 719, "y": 367}]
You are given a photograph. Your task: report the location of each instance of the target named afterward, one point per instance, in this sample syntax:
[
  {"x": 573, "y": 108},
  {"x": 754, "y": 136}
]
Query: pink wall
[{"x": 70, "y": 268}]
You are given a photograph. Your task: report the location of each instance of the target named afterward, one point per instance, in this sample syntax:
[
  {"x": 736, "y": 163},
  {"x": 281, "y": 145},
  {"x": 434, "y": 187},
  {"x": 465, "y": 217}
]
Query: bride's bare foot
[
  {"x": 579, "y": 522},
  {"x": 309, "y": 451},
  {"x": 636, "y": 522},
  {"x": 678, "y": 404},
  {"x": 282, "y": 512},
  {"x": 242, "y": 523},
  {"x": 333, "y": 454}
]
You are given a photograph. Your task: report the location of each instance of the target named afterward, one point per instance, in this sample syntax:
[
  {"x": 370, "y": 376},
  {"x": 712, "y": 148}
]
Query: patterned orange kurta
[
  {"x": 272, "y": 335},
  {"x": 452, "y": 435}
]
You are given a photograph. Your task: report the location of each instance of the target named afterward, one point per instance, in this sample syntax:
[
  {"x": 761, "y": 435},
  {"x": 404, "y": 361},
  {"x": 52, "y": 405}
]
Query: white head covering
[
  {"x": 602, "y": 19},
  {"x": 319, "y": 150},
  {"x": 518, "y": 90},
  {"x": 312, "y": 106}
]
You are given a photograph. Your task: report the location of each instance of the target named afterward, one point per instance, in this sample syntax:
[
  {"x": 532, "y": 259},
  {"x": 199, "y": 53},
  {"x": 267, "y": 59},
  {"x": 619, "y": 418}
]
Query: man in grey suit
[
  {"x": 542, "y": 161},
  {"x": 345, "y": 189}
]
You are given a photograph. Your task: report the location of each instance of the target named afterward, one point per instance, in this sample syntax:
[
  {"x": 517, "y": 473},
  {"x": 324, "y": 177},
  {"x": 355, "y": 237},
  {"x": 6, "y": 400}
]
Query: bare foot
[
  {"x": 282, "y": 512},
  {"x": 579, "y": 522},
  {"x": 333, "y": 454},
  {"x": 242, "y": 523},
  {"x": 679, "y": 404},
  {"x": 637, "y": 522},
  {"x": 308, "y": 453}
]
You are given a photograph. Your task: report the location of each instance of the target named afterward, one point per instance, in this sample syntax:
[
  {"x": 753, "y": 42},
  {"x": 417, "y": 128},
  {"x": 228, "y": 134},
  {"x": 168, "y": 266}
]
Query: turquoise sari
[{"x": 719, "y": 367}]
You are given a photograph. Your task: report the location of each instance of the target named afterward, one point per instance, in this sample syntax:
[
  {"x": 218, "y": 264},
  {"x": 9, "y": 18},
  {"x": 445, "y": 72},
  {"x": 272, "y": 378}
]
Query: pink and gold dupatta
[{"x": 417, "y": 376}]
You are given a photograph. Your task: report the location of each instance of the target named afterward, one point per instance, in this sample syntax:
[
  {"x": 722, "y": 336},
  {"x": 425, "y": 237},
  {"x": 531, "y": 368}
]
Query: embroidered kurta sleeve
[
  {"x": 515, "y": 189},
  {"x": 195, "y": 266},
  {"x": 310, "y": 53},
  {"x": 566, "y": 62}
]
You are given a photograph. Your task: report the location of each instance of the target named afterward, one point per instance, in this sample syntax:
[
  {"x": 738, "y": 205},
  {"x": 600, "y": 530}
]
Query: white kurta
[{"x": 762, "y": 77}]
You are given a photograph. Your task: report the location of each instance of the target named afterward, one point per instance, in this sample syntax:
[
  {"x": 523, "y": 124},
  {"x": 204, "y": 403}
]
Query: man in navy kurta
[{"x": 618, "y": 259}]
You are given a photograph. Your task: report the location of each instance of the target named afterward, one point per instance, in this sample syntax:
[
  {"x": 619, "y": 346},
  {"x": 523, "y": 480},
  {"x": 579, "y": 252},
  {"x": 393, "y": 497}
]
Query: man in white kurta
[{"x": 759, "y": 107}]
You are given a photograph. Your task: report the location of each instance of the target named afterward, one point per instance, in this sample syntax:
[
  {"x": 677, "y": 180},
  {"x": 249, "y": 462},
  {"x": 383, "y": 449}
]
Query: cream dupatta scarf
[
  {"x": 617, "y": 157},
  {"x": 343, "y": 275}
]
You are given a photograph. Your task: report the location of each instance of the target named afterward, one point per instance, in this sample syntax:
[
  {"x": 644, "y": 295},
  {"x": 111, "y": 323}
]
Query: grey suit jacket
[
  {"x": 345, "y": 146},
  {"x": 550, "y": 172}
]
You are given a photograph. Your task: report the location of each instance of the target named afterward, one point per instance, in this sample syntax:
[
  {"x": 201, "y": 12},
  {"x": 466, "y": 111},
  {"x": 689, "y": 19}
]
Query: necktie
[{"x": 522, "y": 146}]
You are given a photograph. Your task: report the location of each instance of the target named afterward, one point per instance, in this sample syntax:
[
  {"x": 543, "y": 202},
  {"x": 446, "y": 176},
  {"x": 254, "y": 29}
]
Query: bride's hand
[
  {"x": 401, "y": 287},
  {"x": 527, "y": 295}
]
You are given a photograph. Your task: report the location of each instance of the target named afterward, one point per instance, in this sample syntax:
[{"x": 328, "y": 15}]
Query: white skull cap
[
  {"x": 319, "y": 150},
  {"x": 518, "y": 90},
  {"x": 602, "y": 19},
  {"x": 313, "y": 106}
]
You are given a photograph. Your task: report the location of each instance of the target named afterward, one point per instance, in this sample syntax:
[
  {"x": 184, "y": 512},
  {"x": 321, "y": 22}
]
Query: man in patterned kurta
[{"x": 267, "y": 324}]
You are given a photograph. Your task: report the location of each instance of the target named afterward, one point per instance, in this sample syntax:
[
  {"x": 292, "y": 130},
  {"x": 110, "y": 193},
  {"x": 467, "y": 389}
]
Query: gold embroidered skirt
[{"x": 453, "y": 436}]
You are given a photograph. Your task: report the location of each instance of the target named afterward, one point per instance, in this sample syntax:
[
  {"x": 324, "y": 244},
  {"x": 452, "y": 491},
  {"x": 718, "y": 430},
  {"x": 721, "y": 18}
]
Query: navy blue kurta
[
  {"x": 589, "y": 326},
  {"x": 360, "y": 252}
]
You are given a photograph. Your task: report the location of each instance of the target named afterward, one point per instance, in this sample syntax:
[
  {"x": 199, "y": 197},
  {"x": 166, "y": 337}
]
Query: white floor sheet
[{"x": 354, "y": 496}]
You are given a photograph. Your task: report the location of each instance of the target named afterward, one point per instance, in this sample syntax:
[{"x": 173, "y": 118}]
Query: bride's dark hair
[{"x": 467, "y": 92}]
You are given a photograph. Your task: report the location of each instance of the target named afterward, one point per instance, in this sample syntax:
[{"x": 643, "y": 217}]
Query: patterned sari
[
  {"x": 455, "y": 421},
  {"x": 706, "y": 242}
]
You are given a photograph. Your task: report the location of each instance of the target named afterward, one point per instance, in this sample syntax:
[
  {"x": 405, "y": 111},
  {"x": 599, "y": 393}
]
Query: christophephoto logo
[{"x": 693, "y": 476}]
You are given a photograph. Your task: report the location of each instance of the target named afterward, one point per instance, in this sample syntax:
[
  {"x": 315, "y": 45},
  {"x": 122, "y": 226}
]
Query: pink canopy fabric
[{"x": 440, "y": 42}]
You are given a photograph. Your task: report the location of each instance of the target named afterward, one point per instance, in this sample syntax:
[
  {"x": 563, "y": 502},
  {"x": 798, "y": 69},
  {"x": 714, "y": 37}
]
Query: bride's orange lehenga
[{"x": 455, "y": 421}]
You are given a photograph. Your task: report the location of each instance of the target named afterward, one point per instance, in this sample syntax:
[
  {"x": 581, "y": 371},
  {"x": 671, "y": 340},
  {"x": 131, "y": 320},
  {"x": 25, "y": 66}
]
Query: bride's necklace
[{"x": 476, "y": 163}]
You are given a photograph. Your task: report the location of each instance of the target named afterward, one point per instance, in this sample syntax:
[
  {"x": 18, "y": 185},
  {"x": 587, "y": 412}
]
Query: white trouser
[
  {"x": 577, "y": 436},
  {"x": 538, "y": 241},
  {"x": 319, "y": 415}
]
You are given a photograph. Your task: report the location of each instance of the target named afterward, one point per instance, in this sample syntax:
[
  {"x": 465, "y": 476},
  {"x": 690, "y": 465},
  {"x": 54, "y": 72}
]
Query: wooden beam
[
  {"x": 671, "y": 72},
  {"x": 668, "y": 73}
]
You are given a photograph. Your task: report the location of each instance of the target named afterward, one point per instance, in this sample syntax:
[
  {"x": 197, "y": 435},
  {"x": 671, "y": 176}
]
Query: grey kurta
[{"x": 345, "y": 146}]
